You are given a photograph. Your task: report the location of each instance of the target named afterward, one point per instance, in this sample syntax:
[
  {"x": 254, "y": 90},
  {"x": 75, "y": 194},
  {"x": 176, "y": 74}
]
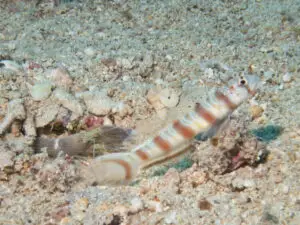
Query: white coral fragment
[
  {"x": 68, "y": 101},
  {"x": 40, "y": 91},
  {"x": 45, "y": 115},
  {"x": 98, "y": 102}
]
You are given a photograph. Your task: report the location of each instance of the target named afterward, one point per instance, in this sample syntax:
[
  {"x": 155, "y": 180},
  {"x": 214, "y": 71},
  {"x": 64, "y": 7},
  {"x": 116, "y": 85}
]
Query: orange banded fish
[{"x": 206, "y": 119}]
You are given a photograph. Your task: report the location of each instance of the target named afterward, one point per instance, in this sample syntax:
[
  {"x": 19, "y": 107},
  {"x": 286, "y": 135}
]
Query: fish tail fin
[{"x": 115, "y": 168}]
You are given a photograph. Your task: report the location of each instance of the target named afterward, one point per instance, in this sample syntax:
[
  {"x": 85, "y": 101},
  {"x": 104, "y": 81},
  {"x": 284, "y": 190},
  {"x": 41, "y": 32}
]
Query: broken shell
[
  {"x": 40, "y": 91},
  {"x": 60, "y": 77},
  {"x": 169, "y": 97}
]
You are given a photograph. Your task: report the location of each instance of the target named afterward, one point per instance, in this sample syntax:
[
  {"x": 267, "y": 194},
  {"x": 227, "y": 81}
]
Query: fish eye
[{"x": 243, "y": 82}]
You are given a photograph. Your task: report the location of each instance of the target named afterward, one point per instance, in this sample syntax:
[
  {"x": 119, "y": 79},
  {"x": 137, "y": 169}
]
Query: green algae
[{"x": 267, "y": 133}]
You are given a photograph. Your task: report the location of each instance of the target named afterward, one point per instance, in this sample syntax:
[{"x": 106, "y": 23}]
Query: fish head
[
  {"x": 246, "y": 87},
  {"x": 250, "y": 82}
]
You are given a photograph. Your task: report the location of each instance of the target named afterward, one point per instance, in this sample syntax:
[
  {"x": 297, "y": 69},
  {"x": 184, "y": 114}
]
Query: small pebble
[
  {"x": 268, "y": 75},
  {"x": 256, "y": 111},
  {"x": 209, "y": 73},
  {"x": 155, "y": 206},
  {"x": 204, "y": 205},
  {"x": 126, "y": 78},
  {"x": 136, "y": 205},
  {"x": 61, "y": 77},
  {"x": 241, "y": 184},
  {"x": 89, "y": 51},
  {"x": 98, "y": 102},
  {"x": 285, "y": 189},
  {"x": 169, "y": 58},
  {"x": 287, "y": 78},
  {"x": 6, "y": 159},
  {"x": 171, "y": 218},
  {"x": 40, "y": 91}
]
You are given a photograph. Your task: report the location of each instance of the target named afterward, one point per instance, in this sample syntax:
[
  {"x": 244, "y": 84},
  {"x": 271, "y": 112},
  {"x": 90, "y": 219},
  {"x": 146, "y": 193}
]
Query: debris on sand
[{"x": 15, "y": 111}]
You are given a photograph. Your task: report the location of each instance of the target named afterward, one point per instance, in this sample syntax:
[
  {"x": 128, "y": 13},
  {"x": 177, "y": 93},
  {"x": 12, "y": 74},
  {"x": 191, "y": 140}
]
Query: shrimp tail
[{"x": 111, "y": 137}]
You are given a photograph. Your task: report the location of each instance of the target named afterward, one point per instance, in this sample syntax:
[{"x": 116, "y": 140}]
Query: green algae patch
[
  {"x": 180, "y": 166},
  {"x": 267, "y": 133}
]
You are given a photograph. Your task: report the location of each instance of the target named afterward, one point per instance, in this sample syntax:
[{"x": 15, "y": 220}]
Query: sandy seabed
[{"x": 99, "y": 59}]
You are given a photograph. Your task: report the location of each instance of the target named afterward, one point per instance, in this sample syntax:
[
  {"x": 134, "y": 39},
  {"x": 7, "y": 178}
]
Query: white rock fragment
[
  {"x": 126, "y": 78},
  {"x": 46, "y": 114},
  {"x": 285, "y": 189},
  {"x": 268, "y": 75},
  {"x": 60, "y": 77},
  {"x": 287, "y": 77},
  {"x": 10, "y": 65},
  {"x": 136, "y": 205},
  {"x": 6, "y": 159},
  {"x": 40, "y": 91},
  {"x": 171, "y": 218},
  {"x": 169, "y": 57},
  {"x": 68, "y": 101},
  {"x": 212, "y": 63},
  {"x": 154, "y": 99},
  {"x": 15, "y": 111},
  {"x": 97, "y": 102},
  {"x": 29, "y": 126},
  {"x": 241, "y": 183},
  {"x": 89, "y": 51},
  {"x": 107, "y": 121},
  {"x": 148, "y": 60},
  {"x": 209, "y": 73},
  {"x": 159, "y": 81},
  {"x": 155, "y": 206},
  {"x": 281, "y": 86},
  {"x": 125, "y": 63}
]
